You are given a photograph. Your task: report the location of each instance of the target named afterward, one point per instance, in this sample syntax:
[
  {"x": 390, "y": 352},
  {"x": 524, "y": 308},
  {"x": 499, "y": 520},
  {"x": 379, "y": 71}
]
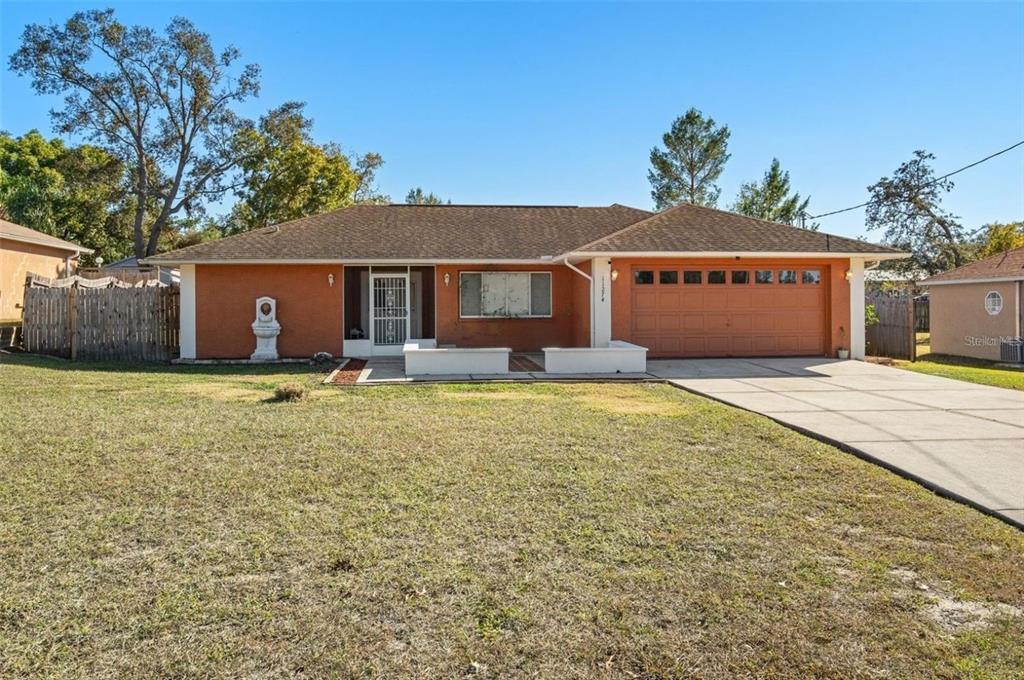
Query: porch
[{"x": 527, "y": 366}]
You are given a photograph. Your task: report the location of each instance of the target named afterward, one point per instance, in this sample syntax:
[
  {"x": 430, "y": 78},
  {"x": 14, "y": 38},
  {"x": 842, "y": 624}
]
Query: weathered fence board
[
  {"x": 922, "y": 314},
  {"x": 893, "y": 336},
  {"x": 115, "y": 324}
]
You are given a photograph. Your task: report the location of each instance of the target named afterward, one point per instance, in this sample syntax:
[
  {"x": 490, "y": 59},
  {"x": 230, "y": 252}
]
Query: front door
[{"x": 389, "y": 312}]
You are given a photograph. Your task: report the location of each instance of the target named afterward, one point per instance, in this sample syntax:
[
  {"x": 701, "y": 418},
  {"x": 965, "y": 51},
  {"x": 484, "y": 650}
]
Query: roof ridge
[
  {"x": 683, "y": 204},
  {"x": 624, "y": 229}
]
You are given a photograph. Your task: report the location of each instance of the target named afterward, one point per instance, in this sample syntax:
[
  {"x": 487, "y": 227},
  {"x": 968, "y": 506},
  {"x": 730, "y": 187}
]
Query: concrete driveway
[{"x": 961, "y": 439}]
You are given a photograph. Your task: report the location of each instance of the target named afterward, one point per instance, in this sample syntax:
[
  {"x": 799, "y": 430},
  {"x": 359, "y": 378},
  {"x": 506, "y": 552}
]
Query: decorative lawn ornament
[{"x": 266, "y": 329}]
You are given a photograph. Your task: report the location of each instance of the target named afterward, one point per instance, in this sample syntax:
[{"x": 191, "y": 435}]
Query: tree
[
  {"x": 770, "y": 199},
  {"x": 417, "y": 197},
  {"x": 907, "y": 207},
  {"x": 77, "y": 193},
  {"x": 998, "y": 238},
  {"x": 694, "y": 156},
  {"x": 160, "y": 103},
  {"x": 285, "y": 175}
]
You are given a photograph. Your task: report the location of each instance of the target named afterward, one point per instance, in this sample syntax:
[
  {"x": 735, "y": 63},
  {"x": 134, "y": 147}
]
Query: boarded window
[{"x": 505, "y": 294}]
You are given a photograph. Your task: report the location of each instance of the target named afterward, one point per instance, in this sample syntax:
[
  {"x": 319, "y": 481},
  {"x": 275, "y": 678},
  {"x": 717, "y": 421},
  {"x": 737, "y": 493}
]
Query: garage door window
[
  {"x": 692, "y": 277},
  {"x": 740, "y": 278},
  {"x": 716, "y": 276},
  {"x": 668, "y": 278},
  {"x": 811, "y": 277},
  {"x": 764, "y": 276},
  {"x": 787, "y": 276},
  {"x": 643, "y": 277}
]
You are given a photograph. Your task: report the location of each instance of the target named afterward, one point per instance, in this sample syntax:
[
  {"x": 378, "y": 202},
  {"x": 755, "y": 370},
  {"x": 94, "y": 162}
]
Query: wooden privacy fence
[
  {"x": 117, "y": 324},
  {"x": 893, "y": 336},
  {"x": 922, "y": 314}
]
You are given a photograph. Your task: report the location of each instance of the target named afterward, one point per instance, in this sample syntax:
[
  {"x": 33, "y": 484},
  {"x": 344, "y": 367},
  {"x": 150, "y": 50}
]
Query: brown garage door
[{"x": 720, "y": 312}]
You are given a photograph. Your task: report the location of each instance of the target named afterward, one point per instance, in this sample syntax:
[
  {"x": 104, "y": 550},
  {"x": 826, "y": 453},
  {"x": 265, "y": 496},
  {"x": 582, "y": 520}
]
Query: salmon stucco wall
[
  {"x": 17, "y": 260},
  {"x": 522, "y": 335},
  {"x": 309, "y": 309},
  {"x": 581, "y": 306},
  {"x": 960, "y": 325},
  {"x": 837, "y": 296}
]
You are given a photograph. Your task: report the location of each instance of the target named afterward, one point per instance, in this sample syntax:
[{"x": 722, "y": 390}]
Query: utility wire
[{"x": 926, "y": 184}]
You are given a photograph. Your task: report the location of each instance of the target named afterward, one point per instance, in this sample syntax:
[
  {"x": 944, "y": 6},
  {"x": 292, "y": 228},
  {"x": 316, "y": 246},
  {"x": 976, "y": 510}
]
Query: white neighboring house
[{"x": 170, "y": 276}]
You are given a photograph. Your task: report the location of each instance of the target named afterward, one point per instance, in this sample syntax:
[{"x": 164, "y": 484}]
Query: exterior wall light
[
  {"x": 849, "y": 275},
  {"x": 615, "y": 274},
  {"x": 447, "y": 279},
  {"x": 330, "y": 280}
]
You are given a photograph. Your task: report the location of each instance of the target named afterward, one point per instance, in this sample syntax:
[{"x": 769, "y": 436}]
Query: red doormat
[
  {"x": 520, "y": 364},
  {"x": 349, "y": 373}
]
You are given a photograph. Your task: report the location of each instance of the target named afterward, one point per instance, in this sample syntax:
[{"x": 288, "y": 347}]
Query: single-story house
[
  {"x": 686, "y": 282},
  {"x": 129, "y": 269},
  {"x": 24, "y": 251},
  {"x": 976, "y": 307}
]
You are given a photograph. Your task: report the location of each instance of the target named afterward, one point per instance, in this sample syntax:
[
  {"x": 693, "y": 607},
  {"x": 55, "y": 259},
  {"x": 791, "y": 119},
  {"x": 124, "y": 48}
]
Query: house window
[
  {"x": 764, "y": 276},
  {"x": 811, "y": 277},
  {"x": 504, "y": 294},
  {"x": 669, "y": 278},
  {"x": 740, "y": 277},
  {"x": 787, "y": 276},
  {"x": 643, "y": 277},
  {"x": 692, "y": 277},
  {"x": 716, "y": 276},
  {"x": 993, "y": 303}
]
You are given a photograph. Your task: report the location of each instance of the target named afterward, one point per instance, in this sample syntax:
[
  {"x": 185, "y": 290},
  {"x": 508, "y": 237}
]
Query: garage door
[{"x": 718, "y": 312}]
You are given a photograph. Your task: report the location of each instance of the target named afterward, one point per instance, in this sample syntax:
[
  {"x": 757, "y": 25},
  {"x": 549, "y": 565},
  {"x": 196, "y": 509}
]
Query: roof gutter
[{"x": 71, "y": 247}]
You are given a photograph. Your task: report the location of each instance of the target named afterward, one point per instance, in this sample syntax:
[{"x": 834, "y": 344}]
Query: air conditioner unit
[{"x": 1012, "y": 351}]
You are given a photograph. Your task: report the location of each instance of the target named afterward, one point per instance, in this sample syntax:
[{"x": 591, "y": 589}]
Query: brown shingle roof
[
  {"x": 490, "y": 232},
  {"x": 16, "y": 232},
  {"x": 419, "y": 232},
  {"x": 692, "y": 228},
  {"x": 1008, "y": 265}
]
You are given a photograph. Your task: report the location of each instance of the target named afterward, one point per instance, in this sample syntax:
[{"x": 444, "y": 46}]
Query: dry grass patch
[{"x": 447, "y": 531}]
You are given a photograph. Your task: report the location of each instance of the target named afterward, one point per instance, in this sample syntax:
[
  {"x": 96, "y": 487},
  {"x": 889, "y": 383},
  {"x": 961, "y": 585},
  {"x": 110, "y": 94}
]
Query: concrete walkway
[{"x": 959, "y": 438}]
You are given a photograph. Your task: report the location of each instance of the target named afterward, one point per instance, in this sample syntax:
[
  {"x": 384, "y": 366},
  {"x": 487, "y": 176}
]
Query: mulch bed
[
  {"x": 521, "y": 364},
  {"x": 349, "y": 373}
]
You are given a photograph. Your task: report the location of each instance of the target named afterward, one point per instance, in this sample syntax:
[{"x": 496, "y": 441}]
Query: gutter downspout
[{"x": 590, "y": 301}]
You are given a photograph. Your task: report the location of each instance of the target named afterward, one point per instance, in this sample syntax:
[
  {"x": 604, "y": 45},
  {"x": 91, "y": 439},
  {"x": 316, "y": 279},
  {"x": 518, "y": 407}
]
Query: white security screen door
[{"x": 389, "y": 309}]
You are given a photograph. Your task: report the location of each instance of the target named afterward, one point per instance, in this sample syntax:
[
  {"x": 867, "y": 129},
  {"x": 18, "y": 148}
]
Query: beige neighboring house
[
  {"x": 976, "y": 307},
  {"x": 24, "y": 250}
]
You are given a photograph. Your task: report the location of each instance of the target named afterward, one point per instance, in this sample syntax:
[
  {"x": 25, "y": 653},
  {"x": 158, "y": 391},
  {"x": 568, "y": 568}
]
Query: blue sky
[{"x": 560, "y": 103}]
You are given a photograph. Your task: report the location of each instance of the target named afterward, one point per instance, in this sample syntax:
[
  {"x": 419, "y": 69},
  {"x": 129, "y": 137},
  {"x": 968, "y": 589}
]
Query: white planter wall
[
  {"x": 424, "y": 357},
  {"x": 617, "y": 357}
]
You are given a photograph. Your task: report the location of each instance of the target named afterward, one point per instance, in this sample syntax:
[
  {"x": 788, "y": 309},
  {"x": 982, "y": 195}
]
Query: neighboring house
[
  {"x": 686, "y": 282},
  {"x": 129, "y": 269},
  {"x": 975, "y": 307},
  {"x": 24, "y": 251}
]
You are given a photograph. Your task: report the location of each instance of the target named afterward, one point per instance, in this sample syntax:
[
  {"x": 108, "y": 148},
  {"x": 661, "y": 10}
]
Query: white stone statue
[{"x": 266, "y": 329}]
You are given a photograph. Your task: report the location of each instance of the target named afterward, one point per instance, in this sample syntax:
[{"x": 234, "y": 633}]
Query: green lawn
[
  {"x": 177, "y": 522},
  {"x": 962, "y": 368}
]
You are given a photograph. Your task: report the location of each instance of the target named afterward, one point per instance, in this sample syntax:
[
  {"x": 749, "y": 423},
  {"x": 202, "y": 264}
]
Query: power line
[{"x": 926, "y": 184}]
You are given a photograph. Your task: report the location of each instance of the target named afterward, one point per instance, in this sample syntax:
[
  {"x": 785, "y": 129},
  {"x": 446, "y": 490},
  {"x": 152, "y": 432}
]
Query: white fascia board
[
  {"x": 994, "y": 279},
  {"x": 349, "y": 261},
  {"x": 733, "y": 254},
  {"x": 42, "y": 242}
]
